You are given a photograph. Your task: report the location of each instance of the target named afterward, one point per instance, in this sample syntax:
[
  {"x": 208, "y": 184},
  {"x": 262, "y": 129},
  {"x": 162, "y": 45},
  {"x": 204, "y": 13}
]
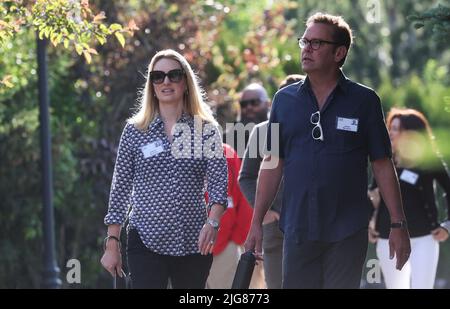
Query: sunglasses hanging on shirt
[{"x": 317, "y": 132}]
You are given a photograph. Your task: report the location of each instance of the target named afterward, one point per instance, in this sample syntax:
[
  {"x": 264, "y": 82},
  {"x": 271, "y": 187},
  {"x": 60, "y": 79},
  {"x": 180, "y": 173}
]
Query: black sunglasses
[
  {"x": 158, "y": 77},
  {"x": 252, "y": 102}
]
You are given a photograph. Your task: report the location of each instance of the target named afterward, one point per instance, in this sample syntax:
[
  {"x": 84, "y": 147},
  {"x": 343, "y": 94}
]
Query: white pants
[{"x": 419, "y": 271}]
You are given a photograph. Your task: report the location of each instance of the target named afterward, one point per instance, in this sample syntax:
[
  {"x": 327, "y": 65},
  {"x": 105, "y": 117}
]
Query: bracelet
[{"x": 111, "y": 237}]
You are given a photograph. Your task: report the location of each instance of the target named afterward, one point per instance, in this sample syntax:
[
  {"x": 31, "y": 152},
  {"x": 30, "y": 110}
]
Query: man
[
  {"x": 254, "y": 104},
  {"x": 328, "y": 126},
  {"x": 248, "y": 175}
]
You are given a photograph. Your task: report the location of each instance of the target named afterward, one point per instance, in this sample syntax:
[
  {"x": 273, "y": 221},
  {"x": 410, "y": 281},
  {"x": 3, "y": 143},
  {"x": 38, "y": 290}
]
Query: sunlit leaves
[
  {"x": 7, "y": 81},
  {"x": 66, "y": 22}
]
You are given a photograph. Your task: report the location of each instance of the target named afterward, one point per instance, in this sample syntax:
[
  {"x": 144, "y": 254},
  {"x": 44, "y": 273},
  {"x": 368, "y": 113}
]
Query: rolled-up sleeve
[
  {"x": 122, "y": 182},
  {"x": 216, "y": 167}
]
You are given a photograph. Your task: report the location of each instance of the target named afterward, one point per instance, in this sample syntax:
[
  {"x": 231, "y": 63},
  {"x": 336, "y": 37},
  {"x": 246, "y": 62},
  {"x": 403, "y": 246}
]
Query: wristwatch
[
  {"x": 399, "y": 225},
  {"x": 213, "y": 223}
]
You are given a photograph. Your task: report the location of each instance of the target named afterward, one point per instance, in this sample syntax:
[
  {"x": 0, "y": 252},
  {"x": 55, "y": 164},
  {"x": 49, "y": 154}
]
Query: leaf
[
  {"x": 100, "y": 39},
  {"x": 87, "y": 56},
  {"x": 115, "y": 27},
  {"x": 79, "y": 49},
  {"x": 66, "y": 43},
  {"x": 120, "y": 38},
  {"x": 6, "y": 81},
  {"x": 98, "y": 18},
  {"x": 132, "y": 25},
  {"x": 92, "y": 51},
  {"x": 59, "y": 38}
]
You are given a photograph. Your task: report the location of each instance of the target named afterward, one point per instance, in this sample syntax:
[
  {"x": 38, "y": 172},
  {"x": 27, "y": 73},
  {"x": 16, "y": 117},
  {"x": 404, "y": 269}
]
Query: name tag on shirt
[
  {"x": 409, "y": 177},
  {"x": 152, "y": 149},
  {"x": 347, "y": 124}
]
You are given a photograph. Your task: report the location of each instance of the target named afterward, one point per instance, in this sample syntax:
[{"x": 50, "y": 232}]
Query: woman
[
  {"x": 168, "y": 151},
  {"x": 417, "y": 165}
]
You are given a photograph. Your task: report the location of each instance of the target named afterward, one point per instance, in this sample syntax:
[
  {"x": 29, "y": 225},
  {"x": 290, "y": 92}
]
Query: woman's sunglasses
[{"x": 158, "y": 77}]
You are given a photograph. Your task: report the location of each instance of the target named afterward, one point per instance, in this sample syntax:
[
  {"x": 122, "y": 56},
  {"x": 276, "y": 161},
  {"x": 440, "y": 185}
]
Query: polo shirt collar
[{"x": 343, "y": 83}]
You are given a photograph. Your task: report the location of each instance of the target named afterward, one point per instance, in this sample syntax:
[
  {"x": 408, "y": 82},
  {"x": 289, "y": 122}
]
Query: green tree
[
  {"x": 437, "y": 19},
  {"x": 71, "y": 23}
]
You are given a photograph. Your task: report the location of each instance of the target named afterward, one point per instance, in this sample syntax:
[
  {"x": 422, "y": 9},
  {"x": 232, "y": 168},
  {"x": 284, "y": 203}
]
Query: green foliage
[
  {"x": 437, "y": 19},
  {"x": 429, "y": 94},
  {"x": 68, "y": 22},
  {"x": 229, "y": 44}
]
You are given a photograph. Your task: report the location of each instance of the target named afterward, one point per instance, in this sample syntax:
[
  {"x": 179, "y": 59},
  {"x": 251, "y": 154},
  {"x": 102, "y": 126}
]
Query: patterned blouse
[{"x": 164, "y": 183}]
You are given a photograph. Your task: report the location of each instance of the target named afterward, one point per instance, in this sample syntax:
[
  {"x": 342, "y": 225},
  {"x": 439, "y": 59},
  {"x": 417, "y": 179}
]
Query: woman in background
[{"x": 418, "y": 166}]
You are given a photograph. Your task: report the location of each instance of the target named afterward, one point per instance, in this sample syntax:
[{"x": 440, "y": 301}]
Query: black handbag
[{"x": 244, "y": 271}]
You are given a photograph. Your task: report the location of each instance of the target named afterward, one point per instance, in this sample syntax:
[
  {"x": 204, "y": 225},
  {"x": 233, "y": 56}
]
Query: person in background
[
  {"x": 254, "y": 104},
  {"x": 418, "y": 165},
  {"x": 234, "y": 227},
  {"x": 248, "y": 175},
  {"x": 162, "y": 166}
]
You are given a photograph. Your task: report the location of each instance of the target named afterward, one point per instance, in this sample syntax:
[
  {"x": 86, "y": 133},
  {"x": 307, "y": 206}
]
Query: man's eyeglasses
[
  {"x": 317, "y": 132},
  {"x": 314, "y": 43},
  {"x": 158, "y": 77},
  {"x": 252, "y": 102}
]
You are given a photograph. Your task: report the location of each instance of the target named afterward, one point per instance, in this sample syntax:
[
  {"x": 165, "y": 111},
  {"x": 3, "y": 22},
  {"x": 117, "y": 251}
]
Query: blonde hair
[{"x": 194, "y": 98}]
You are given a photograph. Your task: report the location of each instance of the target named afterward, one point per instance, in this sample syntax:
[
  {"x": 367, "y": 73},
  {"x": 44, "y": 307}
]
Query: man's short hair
[
  {"x": 290, "y": 79},
  {"x": 262, "y": 93},
  {"x": 342, "y": 33}
]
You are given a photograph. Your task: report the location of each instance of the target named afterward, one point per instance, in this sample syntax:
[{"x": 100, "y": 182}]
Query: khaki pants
[{"x": 224, "y": 267}]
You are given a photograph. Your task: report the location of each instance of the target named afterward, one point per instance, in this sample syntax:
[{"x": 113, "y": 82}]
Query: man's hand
[
  {"x": 375, "y": 198},
  {"x": 254, "y": 241},
  {"x": 399, "y": 245}
]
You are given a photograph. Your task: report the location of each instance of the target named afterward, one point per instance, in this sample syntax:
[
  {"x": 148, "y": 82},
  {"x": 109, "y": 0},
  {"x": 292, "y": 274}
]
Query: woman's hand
[
  {"x": 112, "y": 258},
  {"x": 375, "y": 198},
  {"x": 206, "y": 239},
  {"x": 440, "y": 234},
  {"x": 373, "y": 235}
]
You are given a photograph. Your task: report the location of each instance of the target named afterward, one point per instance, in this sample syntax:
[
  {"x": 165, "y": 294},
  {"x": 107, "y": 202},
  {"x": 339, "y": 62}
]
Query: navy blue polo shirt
[{"x": 325, "y": 196}]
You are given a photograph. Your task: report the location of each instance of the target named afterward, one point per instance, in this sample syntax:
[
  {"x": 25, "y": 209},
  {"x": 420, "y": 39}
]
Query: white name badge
[
  {"x": 347, "y": 124},
  {"x": 409, "y": 177},
  {"x": 152, "y": 149}
]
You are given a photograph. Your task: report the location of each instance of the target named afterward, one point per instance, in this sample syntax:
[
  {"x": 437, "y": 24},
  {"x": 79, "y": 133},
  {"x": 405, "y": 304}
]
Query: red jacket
[{"x": 235, "y": 222}]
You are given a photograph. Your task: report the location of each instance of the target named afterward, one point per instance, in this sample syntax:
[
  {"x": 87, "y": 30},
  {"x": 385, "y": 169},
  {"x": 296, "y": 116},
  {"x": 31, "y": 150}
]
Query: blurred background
[{"x": 229, "y": 44}]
